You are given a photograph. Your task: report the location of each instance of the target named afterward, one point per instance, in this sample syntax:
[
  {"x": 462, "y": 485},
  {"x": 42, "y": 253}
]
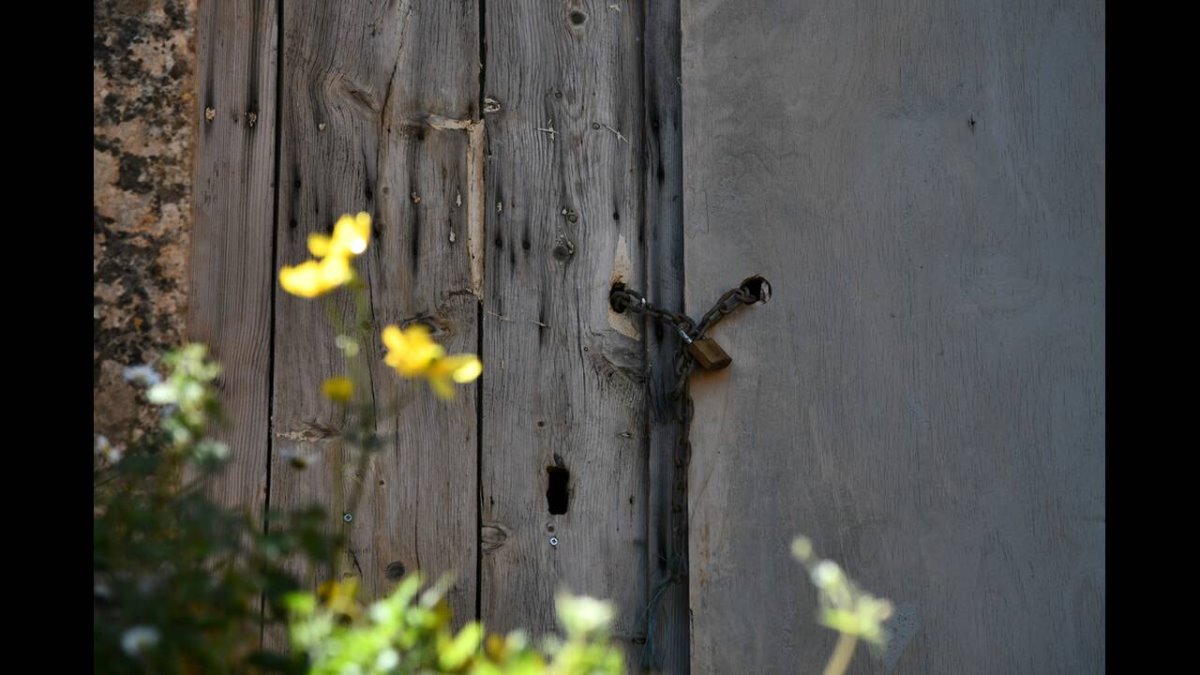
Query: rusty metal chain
[{"x": 751, "y": 291}]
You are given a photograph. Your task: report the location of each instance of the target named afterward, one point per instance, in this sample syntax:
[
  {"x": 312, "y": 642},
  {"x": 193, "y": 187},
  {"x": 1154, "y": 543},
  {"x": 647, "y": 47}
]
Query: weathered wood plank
[
  {"x": 923, "y": 185},
  {"x": 374, "y": 97},
  {"x": 230, "y": 269},
  {"x": 667, "y": 639},
  {"x": 565, "y": 377}
]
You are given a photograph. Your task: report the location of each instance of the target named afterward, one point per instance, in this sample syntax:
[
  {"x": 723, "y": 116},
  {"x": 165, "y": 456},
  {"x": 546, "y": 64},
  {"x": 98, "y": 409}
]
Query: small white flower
[
  {"x": 210, "y": 451},
  {"x": 827, "y": 574},
  {"x": 106, "y": 450},
  {"x": 162, "y": 394},
  {"x": 387, "y": 660},
  {"x": 802, "y": 548},
  {"x": 138, "y": 639},
  {"x": 143, "y": 375},
  {"x": 347, "y": 344},
  {"x": 381, "y": 612},
  {"x": 580, "y": 614}
]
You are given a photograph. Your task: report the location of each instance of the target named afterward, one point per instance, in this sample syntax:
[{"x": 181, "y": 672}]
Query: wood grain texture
[
  {"x": 368, "y": 89},
  {"x": 664, "y": 287},
  {"x": 923, "y": 184},
  {"x": 564, "y": 377},
  {"x": 230, "y": 268}
]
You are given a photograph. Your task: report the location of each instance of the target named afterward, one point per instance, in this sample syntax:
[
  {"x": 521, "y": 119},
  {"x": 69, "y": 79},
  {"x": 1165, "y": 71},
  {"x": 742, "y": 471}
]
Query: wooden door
[
  {"x": 502, "y": 151},
  {"x": 923, "y": 184}
]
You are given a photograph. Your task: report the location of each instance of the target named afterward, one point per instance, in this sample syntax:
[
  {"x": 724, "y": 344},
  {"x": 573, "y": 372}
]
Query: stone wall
[{"x": 144, "y": 115}]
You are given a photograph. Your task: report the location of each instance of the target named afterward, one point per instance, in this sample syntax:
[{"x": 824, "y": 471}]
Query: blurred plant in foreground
[
  {"x": 852, "y": 612},
  {"x": 179, "y": 579},
  {"x": 409, "y": 632}
]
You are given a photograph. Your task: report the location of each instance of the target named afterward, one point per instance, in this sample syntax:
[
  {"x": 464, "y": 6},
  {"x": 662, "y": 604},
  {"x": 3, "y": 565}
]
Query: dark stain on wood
[{"x": 394, "y": 571}]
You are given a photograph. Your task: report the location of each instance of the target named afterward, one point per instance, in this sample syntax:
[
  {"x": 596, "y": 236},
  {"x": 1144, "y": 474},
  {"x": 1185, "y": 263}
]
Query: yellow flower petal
[
  {"x": 332, "y": 267},
  {"x": 303, "y": 280},
  {"x": 496, "y": 648},
  {"x": 336, "y": 271},
  {"x": 312, "y": 278},
  {"x": 340, "y": 389},
  {"x": 460, "y": 368},
  {"x": 362, "y": 227},
  {"x": 410, "y": 351},
  {"x": 413, "y": 353},
  {"x": 351, "y": 234},
  {"x": 319, "y": 244},
  {"x": 391, "y": 337},
  {"x": 463, "y": 368},
  {"x": 442, "y": 386}
]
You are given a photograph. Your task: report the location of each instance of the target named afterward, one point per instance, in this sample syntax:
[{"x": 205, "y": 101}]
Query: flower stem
[
  {"x": 339, "y": 499},
  {"x": 839, "y": 661},
  {"x": 359, "y": 415}
]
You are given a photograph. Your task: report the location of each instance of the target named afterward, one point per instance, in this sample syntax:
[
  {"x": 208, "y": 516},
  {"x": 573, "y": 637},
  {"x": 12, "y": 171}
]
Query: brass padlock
[{"x": 707, "y": 353}]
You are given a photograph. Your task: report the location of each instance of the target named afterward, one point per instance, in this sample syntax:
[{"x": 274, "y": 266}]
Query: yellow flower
[
  {"x": 410, "y": 351},
  {"x": 413, "y": 353},
  {"x": 339, "y": 389},
  {"x": 350, "y": 237},
  {"x": 339, "y": 596},
  {"x": 461, "y": 368},
  {"x": 312, "y": 278},
  {"x": 331, "y": 268},
  {"x": 496, "y": 648}
]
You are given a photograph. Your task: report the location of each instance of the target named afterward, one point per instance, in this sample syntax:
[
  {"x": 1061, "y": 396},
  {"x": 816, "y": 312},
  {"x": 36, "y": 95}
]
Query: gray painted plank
[
  {"x": 924, "y": 186},
  {"x": 668, "y": 644},
  {"x": 564, "y": 377},
  {"x": 229, "y": 308},
  {"x": 372, "y": 95}
]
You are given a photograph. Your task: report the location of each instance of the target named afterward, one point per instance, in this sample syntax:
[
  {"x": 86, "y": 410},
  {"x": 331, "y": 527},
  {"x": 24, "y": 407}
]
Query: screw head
[
  {"x": 347, "y": 517},
  {"x": 554, "y": 541}
]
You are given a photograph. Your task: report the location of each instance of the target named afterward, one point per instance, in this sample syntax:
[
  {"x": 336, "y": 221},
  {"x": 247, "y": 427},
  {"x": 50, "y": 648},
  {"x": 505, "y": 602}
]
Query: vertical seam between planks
[
  {"x": 665, "y": 275},
  {"x": 274, "y": 262},
  {"x": 481, "y": 157},
  {"x": 685, "y": 628},
  {"x": 274, "y": 244},
  {"x": 479, "y": 467},
  {"x": 679, "y": 240},
  {"x": 649, "y": 389}
]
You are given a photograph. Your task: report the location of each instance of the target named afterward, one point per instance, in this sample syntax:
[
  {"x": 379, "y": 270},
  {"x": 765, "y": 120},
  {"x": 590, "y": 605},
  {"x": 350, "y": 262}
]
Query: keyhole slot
[{"x": 557, "y": 493}]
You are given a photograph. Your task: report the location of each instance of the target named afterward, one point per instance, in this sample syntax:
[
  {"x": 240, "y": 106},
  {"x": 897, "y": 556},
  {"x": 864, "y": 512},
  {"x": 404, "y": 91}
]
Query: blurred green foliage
[
  {"x": 854, "y": 613},
  {"x": 410, "y": 632},
  {"x": 185, "y": 585},
  {"x": 180, "y": 581}
]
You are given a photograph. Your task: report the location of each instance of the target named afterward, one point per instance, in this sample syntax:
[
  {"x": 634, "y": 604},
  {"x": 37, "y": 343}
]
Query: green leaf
[
  {"x": 303, "y": 604},
  {"x": 455, "y": 655}
]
